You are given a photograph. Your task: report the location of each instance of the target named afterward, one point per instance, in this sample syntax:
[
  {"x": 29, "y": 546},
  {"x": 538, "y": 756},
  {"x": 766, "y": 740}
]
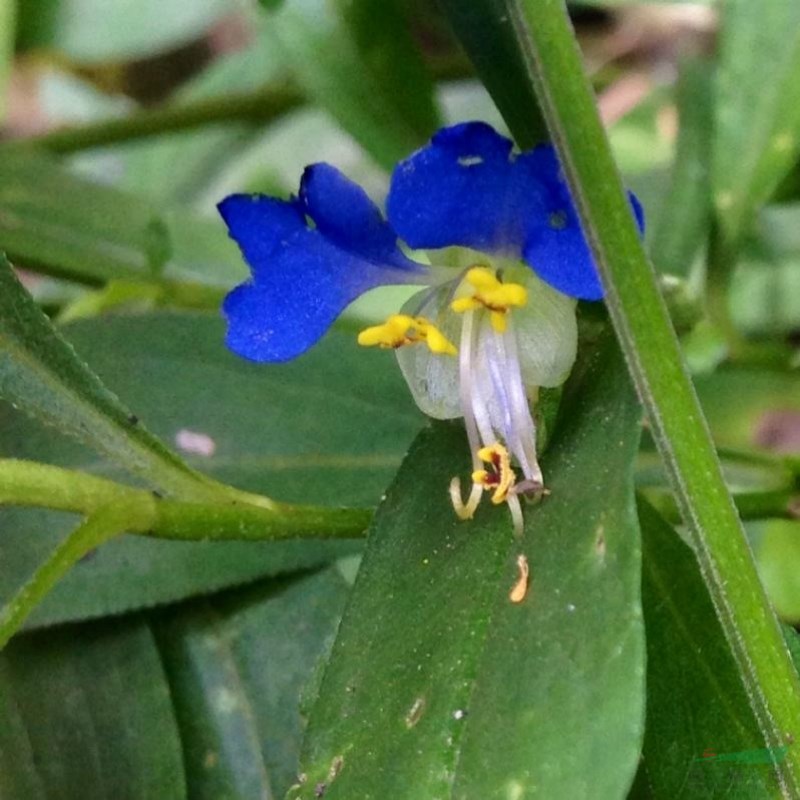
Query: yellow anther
[
  {"x": 401, "y": 329},
  {"x": 437, "y": 342},
  {"x": 500, "y": 477},
  {"x": 393, "y": 333},
  {"x": 490, "y": 293}
]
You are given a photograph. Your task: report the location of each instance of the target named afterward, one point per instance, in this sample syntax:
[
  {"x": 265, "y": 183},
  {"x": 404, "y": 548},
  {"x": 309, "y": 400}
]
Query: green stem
[
  {"x": 94, "y": 531},
  {"x": 778, "y": 504},
  {"x": 262, "y": 105},
  {"x": 640, "y": 317},
  {"x": 234, "y": 516}
]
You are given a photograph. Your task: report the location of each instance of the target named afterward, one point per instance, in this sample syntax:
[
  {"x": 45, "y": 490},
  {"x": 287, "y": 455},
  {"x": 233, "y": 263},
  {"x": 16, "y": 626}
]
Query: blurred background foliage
[{"x": 186, "y": 669}]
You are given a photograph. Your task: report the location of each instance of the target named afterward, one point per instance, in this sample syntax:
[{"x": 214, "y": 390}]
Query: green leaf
[
  {"x": 106, "y": 30},
  {"x": 102, "y": 234},
  {"x": 8, "y": 13},
  {"x": 86, "y": 712},
  {"x": 696, "y": 703},
  {"x": 440, "y": 686},
  {"x": 757, "y": 119},
  {"x": 682, "y": 226},
  {"x": 328, "y": 429},
  {"x": 751, "y": 408},
  {"x": 482, "y": 27},
  {"x": 765, "y": 287},
  {"x": 178, "y": 166},
  {"x": 356, "y": 59},
  {"x": 41, "y": 374},
  {"x": 777, "y": 546},
  {"x": 237, "y": 666}
]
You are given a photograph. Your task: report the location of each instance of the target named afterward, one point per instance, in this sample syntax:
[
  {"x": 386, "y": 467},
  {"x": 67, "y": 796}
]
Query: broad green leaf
[
  {"x": 440, "y": 686},
  {"x": 85, "y": 712},
  {"x": 757, "y": 120},
  {"x": 41, "y": 374},
  {"x": 484, "y": 31},
  {"x": 357, "y": 60},
  {"x": 237, "y": 666},
  {"x": 327, "y": 429},
  {"x": 701, "y": 738},
  {"x": 683, "y": 224},
  {"x": 102, "y": 234},
  {"x": 108, "y": 30}
]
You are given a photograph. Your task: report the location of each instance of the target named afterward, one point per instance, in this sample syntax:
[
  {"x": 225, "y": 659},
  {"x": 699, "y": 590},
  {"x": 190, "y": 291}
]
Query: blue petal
[
  {"x": 465, "y": 188},
  {"x": 555, "y": 247},
  {"x": 344, "y": 214},
  {"x": 303, "y": 277}
]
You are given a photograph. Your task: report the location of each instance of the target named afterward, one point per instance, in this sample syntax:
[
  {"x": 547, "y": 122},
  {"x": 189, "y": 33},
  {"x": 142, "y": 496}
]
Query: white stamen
[
  {"x": 516, "y": 514},
  {"x": 523, "y": 424},
  {"x": 465, "y": 361}
]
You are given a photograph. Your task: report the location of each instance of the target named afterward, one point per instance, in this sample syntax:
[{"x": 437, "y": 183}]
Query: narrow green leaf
[
  {"x": 85, "y": 712},
  {"x": 757, "y": 120},
  {"x": 553, "y": 64},
  {"x": 683, "y": 225},
  {"x": 765, "y": 286},
  {"x": 439, "y": 685},
  {"x": 328, "y": 429},
  {"x": 115, "y": 30},
  {"x": 777, "y": 546},
  {"x": 699, "y": 720},
  {"x": 483, "y": 28},
  {"x": 356, "y": 58},
  {"x": 237, "y": 666},
  {"x": 8, "y": 13},
  {"x": 41, "y": 374},
  {"x": 102, "y": 234}
]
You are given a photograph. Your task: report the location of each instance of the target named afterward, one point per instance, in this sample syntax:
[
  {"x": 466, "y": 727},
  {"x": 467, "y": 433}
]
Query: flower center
[
  {"x": 401, "y": 329},
  {"x": 489, "y": 292}
]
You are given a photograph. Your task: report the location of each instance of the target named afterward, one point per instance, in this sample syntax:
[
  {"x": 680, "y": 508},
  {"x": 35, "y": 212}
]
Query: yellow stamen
[
  {"x": 490, "y": 293},
  {"x": 501, "y": 477},
  {"x": 401, "y": 329}
]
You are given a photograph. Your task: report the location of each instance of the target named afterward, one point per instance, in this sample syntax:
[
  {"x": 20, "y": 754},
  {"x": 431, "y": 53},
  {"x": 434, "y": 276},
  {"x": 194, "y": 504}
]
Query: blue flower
[
  {"x": 506, "y": 220},
  {"x": 310, "y": 257}
]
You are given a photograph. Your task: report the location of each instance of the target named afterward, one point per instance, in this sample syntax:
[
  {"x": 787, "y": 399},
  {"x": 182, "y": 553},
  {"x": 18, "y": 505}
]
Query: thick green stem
[
  {"x": 640, "y": 317},
  {"x": 94, "y": 531},
  {"x": 235, "y": 515}
]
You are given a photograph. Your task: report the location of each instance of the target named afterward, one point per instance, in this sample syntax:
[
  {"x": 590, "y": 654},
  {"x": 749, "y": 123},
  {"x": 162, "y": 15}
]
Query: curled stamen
[{"x": 465, "y": 510}]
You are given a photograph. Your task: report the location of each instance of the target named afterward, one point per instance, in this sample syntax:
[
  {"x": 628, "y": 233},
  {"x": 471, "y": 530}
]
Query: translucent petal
[{"x": 433, "y": 378}]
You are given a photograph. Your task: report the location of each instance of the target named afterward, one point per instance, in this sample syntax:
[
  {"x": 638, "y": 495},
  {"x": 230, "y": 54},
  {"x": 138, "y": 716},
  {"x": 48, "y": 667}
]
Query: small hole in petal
[
  {"x": 558, "y": 220},
  {"x": 470, "y": 161}
]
